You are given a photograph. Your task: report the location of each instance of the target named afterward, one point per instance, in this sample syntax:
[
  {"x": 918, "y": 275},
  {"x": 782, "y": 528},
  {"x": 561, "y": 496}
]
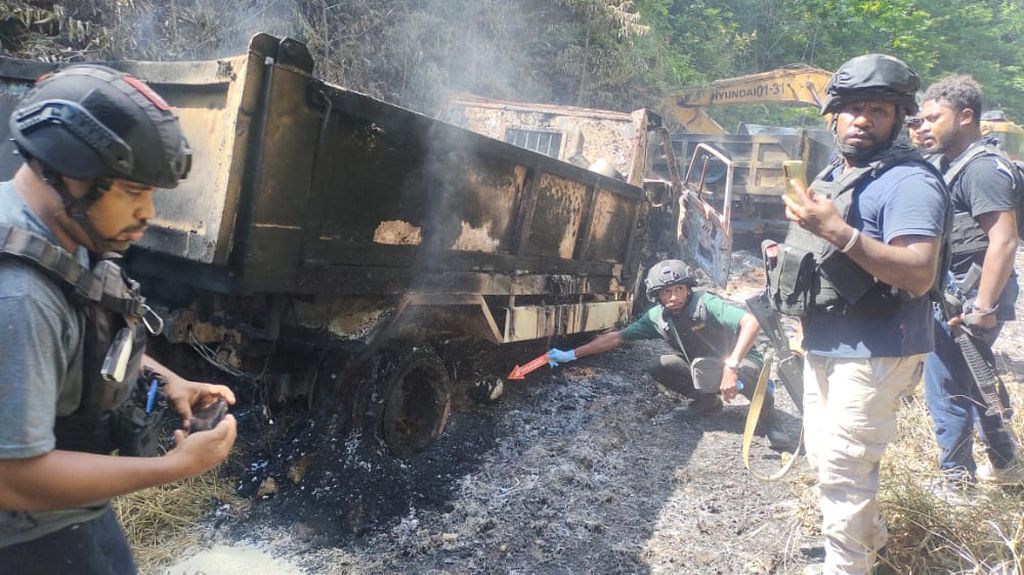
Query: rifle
[
  {"x": 790, "y": 364},
  {"x": 981, "y": 368}
]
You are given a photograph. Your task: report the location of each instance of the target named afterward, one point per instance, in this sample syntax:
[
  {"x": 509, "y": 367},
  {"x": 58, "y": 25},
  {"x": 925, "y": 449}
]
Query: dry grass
[
  {"x": 161, "y": 522},
  {"x": 927, "y": 534}
]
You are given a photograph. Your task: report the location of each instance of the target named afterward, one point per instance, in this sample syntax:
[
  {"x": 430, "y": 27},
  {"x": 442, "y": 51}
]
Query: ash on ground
[
  {"x": 586, "y": 468},
  {"x": 589, "y": 467}
]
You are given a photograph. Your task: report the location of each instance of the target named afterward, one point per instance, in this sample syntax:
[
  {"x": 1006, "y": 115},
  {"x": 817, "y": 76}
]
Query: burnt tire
[{"x": 413, "y": 400}]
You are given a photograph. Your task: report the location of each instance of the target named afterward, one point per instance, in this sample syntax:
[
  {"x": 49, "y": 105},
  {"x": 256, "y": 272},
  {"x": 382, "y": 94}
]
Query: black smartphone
[{"x": 208, "y": 417}]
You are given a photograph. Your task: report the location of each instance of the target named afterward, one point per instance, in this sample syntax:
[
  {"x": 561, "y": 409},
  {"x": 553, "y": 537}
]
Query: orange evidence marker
[{"x": 537, "y": 363}]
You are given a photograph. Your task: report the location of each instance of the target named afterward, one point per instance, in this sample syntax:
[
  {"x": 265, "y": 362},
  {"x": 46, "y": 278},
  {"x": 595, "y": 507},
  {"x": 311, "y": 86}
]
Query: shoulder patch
[{"x": 1004, "y": 167}]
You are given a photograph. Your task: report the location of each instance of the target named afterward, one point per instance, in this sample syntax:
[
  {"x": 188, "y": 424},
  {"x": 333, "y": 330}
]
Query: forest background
[{"x": 611, "y": 54}]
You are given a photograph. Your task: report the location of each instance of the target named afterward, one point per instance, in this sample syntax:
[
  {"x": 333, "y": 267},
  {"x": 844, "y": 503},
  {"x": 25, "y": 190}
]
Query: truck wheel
[{"x": 415, "y": 401}]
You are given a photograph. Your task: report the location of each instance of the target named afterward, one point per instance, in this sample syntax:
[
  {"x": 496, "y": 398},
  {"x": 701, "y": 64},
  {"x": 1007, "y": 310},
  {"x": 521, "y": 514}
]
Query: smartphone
[
  {"x": 208, "y": 417},
  {"x": 794, "y": 170}
]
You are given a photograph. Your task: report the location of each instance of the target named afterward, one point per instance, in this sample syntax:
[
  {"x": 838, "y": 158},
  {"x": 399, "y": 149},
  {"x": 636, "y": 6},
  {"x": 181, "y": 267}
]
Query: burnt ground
[{"x": 586, "y": 468}]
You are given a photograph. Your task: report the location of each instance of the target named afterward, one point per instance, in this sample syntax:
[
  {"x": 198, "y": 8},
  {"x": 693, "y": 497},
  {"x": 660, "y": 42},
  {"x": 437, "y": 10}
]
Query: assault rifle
[
  {"x": 790, "y": 366},
  {"x": 980, "y": 365}
]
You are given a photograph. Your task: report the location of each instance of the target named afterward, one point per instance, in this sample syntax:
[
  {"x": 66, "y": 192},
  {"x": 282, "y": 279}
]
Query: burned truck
[
  {"x": 321, "y": 230},
  {"x": 686, "y": 217}
]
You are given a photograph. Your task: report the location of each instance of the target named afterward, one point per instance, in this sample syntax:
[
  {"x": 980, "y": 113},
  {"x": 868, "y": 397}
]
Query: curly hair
[{"x": 960, "y": 92}]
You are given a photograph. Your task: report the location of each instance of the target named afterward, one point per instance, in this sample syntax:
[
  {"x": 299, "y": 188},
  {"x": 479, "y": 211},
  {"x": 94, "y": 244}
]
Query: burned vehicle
[
  {"x": 321, "y": 230},
  {"x": 686, "y": 218}
]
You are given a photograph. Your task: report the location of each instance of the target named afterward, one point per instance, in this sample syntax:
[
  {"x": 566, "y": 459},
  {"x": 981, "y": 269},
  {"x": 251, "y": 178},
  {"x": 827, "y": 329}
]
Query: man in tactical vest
[
  {"x": 714, "y": 342},
  {"x": 917, "y": 138},
  {"x": 859, "y": 260},
  {"x": 95, "y": 145},
  {"x": 982, "y": 183}
]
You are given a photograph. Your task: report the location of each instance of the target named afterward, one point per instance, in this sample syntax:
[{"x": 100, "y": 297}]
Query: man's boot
[
  {"x": 770, "y": 425},
  {"x": 703, "y": 404}
]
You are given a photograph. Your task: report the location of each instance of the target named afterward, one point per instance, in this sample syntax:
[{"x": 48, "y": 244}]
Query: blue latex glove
[
  {"x": 557, "y": 356},
  {"x": 771, "y": 386}
]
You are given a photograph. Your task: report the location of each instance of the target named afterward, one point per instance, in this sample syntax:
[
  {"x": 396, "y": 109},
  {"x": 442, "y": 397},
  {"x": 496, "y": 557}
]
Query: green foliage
[{"x": 617, "y": 54}]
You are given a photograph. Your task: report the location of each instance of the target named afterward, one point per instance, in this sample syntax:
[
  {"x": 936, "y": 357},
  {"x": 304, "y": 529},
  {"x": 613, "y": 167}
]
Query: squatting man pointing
[{"x": 713, "y": 341}]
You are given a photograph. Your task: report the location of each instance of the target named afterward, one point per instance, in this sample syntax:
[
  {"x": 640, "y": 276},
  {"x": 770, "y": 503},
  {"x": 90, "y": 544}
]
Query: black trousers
[{"x": 96, "y": 547}]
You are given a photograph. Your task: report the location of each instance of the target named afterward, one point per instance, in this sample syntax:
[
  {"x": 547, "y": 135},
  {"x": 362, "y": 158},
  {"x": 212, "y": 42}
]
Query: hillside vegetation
[{"x": 613, "y": 54}]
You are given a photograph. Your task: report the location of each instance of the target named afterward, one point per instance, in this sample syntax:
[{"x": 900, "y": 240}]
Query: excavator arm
[{"x": 794, "y": 84}]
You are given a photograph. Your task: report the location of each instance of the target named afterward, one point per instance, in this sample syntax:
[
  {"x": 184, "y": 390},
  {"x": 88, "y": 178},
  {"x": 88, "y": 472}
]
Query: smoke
[{"x": 194, "y": 29}]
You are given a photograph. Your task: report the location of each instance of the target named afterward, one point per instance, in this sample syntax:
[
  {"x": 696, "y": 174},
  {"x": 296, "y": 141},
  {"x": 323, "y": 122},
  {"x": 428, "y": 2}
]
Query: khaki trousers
[{"x": 849, "y": 417}]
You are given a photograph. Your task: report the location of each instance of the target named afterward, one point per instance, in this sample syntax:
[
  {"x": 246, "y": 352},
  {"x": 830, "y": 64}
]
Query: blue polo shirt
[{"x": 905, "y": 200}]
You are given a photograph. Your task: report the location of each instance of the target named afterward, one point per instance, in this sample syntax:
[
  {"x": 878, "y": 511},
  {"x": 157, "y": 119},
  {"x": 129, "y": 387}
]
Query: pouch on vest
[
  {"x": 114, "y": 340},
  {"x": 847, "y": 279},
  {"x": 790, "y": 278},
  {"x": 135, "y": 431}
]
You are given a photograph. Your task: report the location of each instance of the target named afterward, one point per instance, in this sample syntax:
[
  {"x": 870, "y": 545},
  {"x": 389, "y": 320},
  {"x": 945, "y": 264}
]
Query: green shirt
[{"x": 718, "y": 311}]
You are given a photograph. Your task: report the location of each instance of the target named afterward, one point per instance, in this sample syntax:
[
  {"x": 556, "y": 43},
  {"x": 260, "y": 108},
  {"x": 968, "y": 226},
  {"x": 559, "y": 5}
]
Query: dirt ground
[{"x": 586, "y": 468}]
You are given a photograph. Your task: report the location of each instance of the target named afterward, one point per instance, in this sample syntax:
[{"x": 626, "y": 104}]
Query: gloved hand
[{"x": 557, "y": 356}]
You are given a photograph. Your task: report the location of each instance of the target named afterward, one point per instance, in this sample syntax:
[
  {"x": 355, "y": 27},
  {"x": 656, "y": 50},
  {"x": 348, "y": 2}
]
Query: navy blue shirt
[{"x": 905, "y": 200}]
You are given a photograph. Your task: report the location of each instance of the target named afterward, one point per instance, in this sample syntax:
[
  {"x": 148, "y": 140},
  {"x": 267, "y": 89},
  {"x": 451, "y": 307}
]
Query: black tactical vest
[
  {"x": 966, "y": 236},
  {"x": 691, "y": 332},
  {"x": 113, "y": 309},
  {"x": 811, "y": 273}
]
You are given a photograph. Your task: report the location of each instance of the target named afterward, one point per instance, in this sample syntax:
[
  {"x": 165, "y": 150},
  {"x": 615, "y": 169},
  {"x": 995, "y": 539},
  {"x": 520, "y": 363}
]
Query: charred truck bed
[{"x": 316, "y": 209}]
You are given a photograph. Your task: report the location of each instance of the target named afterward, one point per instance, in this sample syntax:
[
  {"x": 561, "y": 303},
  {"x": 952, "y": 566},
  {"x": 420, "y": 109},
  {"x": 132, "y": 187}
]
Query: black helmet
[
  {"x": 873, "y": 77},
  {"x": 668, "y": 273},
  {"x": 92, "y": 122}
]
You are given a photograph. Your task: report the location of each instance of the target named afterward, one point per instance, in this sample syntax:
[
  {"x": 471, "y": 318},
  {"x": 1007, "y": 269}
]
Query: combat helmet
[
  {"x": 94, "y": 123},
  {"x": 873, "y": 77},
  {"x": 668, "y": 273}
]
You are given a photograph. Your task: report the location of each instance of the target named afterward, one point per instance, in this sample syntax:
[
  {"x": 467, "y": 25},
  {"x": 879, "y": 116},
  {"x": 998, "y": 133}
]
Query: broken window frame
[{"x": 540, "y": 135}]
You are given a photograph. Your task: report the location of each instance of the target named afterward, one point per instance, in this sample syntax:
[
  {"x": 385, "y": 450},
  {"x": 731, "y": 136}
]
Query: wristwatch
[{"x": 733, "y": 365}]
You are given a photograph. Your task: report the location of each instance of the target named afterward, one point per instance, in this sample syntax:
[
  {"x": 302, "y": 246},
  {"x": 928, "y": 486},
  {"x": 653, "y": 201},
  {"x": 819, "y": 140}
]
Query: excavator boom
[{"x": 794, "y": 84}]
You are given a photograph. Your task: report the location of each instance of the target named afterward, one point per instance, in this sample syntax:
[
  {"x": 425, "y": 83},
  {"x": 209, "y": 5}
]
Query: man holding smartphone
[
  {"x": 96, "y": 144},
  {"x": 867, "y": 235}
]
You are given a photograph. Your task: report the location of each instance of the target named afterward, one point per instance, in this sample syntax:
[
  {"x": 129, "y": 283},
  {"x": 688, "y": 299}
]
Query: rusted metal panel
[
  {"x": 524, "y": 323},
  {"x": 557, "y": 218},
  {"x": 588, "y": 134},
  {"x": 612, "y": 220},
  {"x": 705, "y": 231}
]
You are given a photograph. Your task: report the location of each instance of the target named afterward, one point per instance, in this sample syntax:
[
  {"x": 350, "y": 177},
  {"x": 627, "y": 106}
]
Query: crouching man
[{"x": 713, "y": 341}]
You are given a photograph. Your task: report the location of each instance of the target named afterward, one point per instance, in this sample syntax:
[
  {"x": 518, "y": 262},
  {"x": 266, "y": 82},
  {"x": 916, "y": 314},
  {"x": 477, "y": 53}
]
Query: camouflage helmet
[
  {"x": 91, "y": 122},
  {"x": 668, "y": 273},
  {"x": 873, "y": 77}
]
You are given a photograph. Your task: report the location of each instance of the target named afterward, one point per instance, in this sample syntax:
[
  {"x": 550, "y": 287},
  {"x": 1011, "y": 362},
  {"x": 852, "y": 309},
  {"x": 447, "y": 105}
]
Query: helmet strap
[{"x": 77, "y": 209}]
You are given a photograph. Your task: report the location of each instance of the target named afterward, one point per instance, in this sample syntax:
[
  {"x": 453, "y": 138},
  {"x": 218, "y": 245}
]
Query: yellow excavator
[
  {"x": 796, "y": 84},
  {"x": 756, "y": 152}
]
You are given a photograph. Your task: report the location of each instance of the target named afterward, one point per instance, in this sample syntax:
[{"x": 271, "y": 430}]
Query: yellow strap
[{"x": 754, "y": 414}]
